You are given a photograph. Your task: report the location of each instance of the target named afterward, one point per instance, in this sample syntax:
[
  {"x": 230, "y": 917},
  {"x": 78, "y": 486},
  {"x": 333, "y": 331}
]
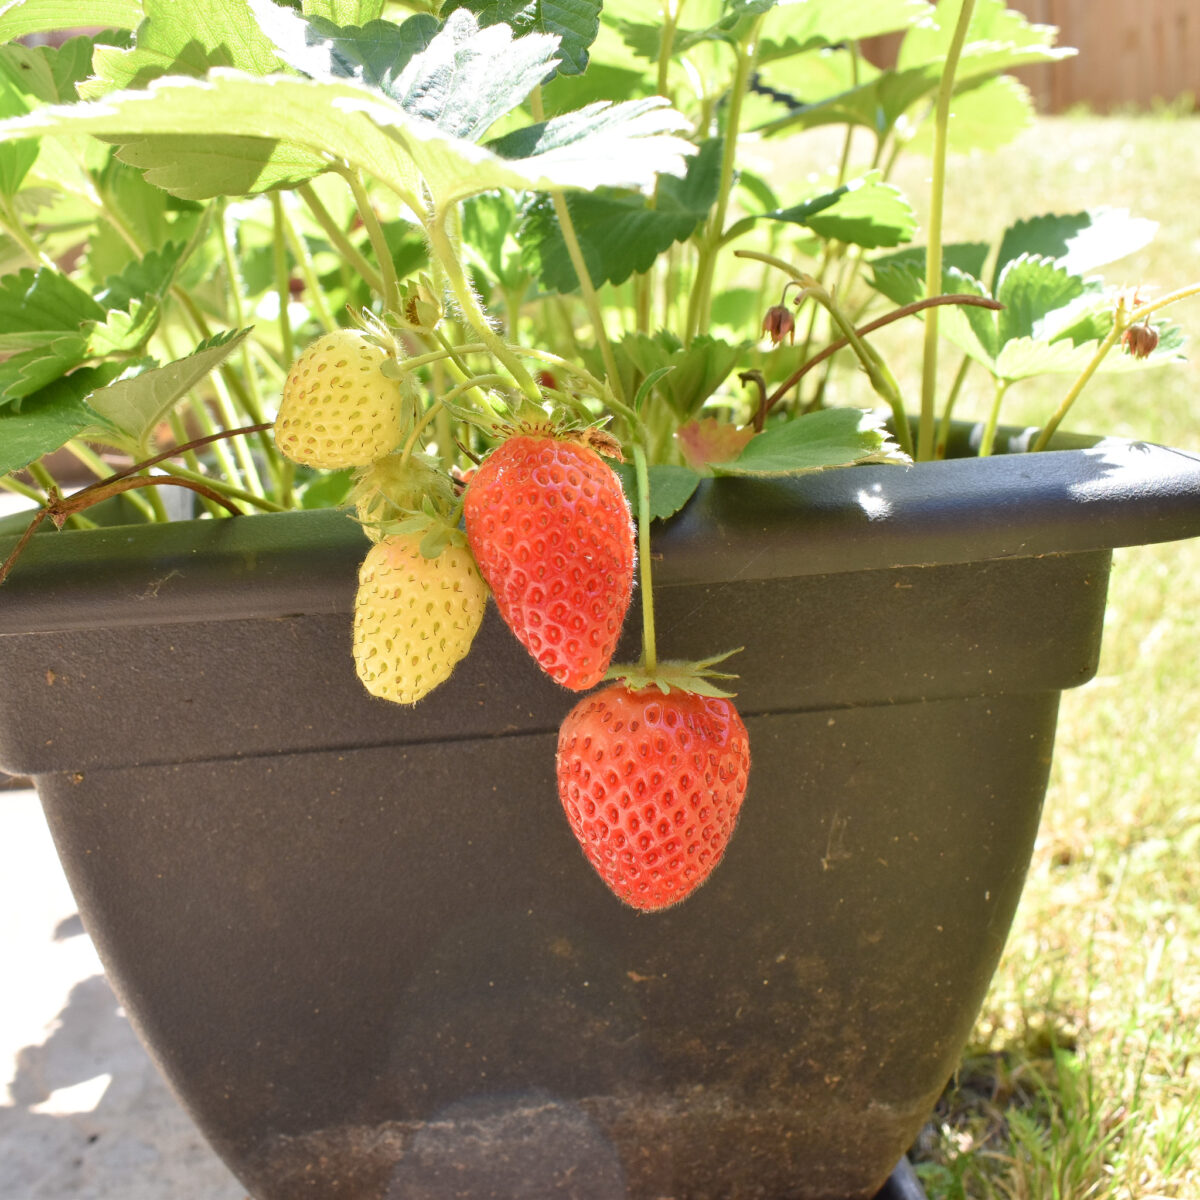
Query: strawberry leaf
[
  {"x": 574, "y": 22},
  {"x": 24, "y": 17},
  {"x": 863, "y": 212},
  {"x": 38, "y": 307},
  {"x": 344, "y": 12},
  {"x": 183, "y": 39},
  {"x": 283, "y": 127},
  {"x": 671, "y": 487},
  {"x": 45, "y": 422},
  {"x": 832, "y": 437},
  {"x": 133, "y": 406},
  {"x": 1078, "y": 242},
  {"x": 619, "y": 233},
  {"x": 798, "y": 28}
]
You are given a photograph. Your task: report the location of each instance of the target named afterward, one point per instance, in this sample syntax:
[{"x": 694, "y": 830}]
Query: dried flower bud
[
  {"x": 779, "y": 323},
  {"x": 1140, "y": 340}
]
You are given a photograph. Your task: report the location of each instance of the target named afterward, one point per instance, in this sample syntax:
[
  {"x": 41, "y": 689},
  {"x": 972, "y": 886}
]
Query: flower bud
[
  {"x": 1140, "y": 340},
  {"x": 779, "y": 323}
]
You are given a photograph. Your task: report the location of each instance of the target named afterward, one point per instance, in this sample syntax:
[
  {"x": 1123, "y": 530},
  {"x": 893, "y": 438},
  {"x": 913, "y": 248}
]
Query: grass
[{"x": 1082, "y": 1081}]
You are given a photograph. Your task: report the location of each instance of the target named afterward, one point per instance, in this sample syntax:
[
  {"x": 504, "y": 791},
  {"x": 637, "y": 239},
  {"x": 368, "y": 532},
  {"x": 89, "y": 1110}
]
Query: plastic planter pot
[{"x": 360, "y": 941}]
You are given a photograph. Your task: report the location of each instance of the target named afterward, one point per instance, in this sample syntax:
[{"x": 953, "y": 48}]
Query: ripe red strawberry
[
  {"x": 551, "y": 531},
  {"x": 652, "y": 785}
]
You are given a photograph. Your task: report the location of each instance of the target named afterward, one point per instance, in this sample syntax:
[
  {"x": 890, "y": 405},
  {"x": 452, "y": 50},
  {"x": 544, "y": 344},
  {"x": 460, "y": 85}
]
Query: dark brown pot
[{"x": 360, "y": 941}]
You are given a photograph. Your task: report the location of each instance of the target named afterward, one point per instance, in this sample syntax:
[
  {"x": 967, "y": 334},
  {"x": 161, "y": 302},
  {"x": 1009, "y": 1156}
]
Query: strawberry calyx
[
  {"x": 409, "y": 495},
  {"x": 697, "y": 677}
]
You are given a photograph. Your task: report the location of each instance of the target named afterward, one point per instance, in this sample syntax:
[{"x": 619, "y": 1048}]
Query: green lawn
[{"x": 1083, "y": 1080}]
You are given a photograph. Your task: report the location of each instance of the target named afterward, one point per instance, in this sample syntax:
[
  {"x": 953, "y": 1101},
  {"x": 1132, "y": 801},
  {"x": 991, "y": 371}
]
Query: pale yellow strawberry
[
  {"x": 338, "y": 407},
  {"x": 414, "y": 617}
]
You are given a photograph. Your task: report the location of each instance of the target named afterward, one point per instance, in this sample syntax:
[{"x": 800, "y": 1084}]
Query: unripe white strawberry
[
  {"x": 338, "y": 408},
  {"x": 414, "y": 617}
]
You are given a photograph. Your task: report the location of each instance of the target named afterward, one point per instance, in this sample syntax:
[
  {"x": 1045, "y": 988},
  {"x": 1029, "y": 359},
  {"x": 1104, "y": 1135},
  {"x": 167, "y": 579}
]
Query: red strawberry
[
  {"x": 652, "y": 785},
  {"x": 551, "y": 531}
]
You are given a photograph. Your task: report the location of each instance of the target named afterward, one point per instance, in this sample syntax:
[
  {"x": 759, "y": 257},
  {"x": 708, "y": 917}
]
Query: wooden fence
[{"x": 1132, "y": 53}]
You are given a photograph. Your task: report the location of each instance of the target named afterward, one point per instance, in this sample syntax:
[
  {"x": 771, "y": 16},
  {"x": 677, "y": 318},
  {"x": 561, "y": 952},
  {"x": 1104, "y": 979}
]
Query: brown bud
[
  {"x": 779, "y": 323},
  {"x": 1140, "y": 340}
]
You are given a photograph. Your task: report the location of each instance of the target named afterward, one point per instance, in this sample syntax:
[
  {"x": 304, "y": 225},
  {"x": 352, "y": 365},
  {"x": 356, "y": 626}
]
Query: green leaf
[
  {"x": 36, "y": 307},
  {"x": 696, "y": 370},
  {"x": 574, "y": 22},
  {"x": 41, "y": 16},
  {"x": 344, "y": 12},
  {"x": 736, "y": 16},
  {"x": 817, "y": 441},
  {"x": 149, "y": 276},
  {"x": 671, "y": 487},
  {"x": 901, "y": 276},
  {"x": 619, "y": 233},
  {"x": 134, "y": 406},
  {"x": 17, "y": 158},
  {"x": 1030, "y": 288},
  {"x": 44, "y": 423},
  {"x": 28, "y": 371},
  {"x": 624, "y": 144},
  {"x": 997, "y": 35},
  {"x": 982, "y": 118},
  {"x": 189, "y": 38},
  {"x": 375, "y": 54},
  {"x": 48, "y": 73},
  {"x": 797, "y": 28},
  {"x": 863, "y": 212},
  {"x": 1078, "y": 242}
]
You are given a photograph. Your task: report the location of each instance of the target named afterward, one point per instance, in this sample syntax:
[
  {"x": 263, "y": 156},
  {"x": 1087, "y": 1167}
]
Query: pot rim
[{"x": 1115, "y": 492}]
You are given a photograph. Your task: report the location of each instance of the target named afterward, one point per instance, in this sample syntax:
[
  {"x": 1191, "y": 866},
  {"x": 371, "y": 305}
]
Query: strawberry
[
  {"x": 414, "y": 617},
  {"x": 338, "y": 408},
  {"x": 652, "y": 785},
  {"x": 550, "y": 528}
]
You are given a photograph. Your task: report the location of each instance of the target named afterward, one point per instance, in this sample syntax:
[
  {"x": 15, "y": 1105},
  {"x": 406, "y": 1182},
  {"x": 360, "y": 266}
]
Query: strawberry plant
[{"x": 498, "y": 277}]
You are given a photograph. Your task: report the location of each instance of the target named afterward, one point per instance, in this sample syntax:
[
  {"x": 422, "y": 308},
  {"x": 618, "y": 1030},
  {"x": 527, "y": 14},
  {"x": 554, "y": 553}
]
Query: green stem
[
  {"x": 440, "y": 405},
  {"x": 988, "y": 441},
  {"x": 444, "y": 250},
  {"x": 701, "y": 297},
  {"x": 390, "y": 285},
  {"x": 252, "y": 398},
  {"x": 279, "y": 253},
  {"x": 933, "y": 267},
  {"x": 224, "y": 489},
  {"x": 314, "y": 292},
  {"x": 22, "y": 489},
  {"x": 943, "y": 437},
  {"x": 588, "y": 292},
  {"x": 15, "y": 228},
  {"x": 649, "y": 643},
  {"x": 341, "y": 242},
  {"x": 1123, "y": 319}
]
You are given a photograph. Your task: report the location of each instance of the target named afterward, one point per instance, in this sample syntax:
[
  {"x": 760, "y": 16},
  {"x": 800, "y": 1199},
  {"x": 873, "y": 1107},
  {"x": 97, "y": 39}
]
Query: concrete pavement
[{"x": 83, "y": 1113}]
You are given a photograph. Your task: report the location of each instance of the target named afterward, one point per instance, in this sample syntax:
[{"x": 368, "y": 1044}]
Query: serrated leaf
[
  {"x": 36, "y": 307},
  {"x": 48, "y": 73},
  {"x": 619, "y": 233},
  {"x": 817, "y": 441},
  {"x": 15, "y": 159},
  {"x": 798, "y": 28},
  {"x": 901, "y": 276},
  {"x": 993, "y": 26},
  {"x": 1024, "y": 357},
  {"x": 148, "y": 276},
  {"x": 24, "y": 17},
  {"x": 574, "y": 22},
  {"x": 863, "y": 212},
  {"x": 28, "y": 371},
  {"x": 671, "y": 487},
  {"x": 374, "y": 54},
  {"x": 469, "y": 77},
  {"x": 625, "y": 144},
  {"x": 122, "y": 332},
  {"x": 697, "y": 369},
  {"x": 134, "y": 406},
  {"x": 41, "y": 427},
  {"x": 1030, "y": 288},
  {"x": 645, "y": 39},
  {"x": 1079, "y": 242},
  {"x": 183, "y": 39}
]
